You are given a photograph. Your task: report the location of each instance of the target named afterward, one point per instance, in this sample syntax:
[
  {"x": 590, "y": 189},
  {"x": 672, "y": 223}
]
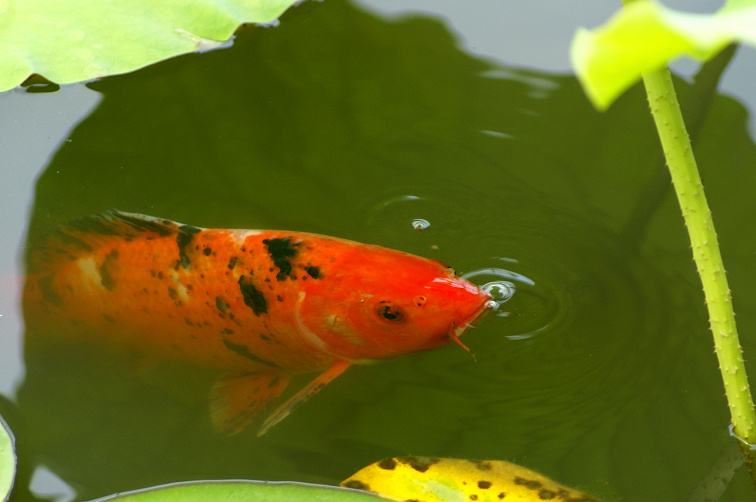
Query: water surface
[{"x": 339, "y": 122}]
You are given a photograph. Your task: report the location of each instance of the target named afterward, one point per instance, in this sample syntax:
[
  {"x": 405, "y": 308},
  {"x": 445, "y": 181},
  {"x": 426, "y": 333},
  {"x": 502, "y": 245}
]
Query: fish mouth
[
  {"x": 455, "y": 332},
  {"x": 474, "y": 319}
]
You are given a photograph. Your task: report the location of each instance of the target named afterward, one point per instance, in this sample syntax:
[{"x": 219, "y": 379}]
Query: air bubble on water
[
  {"x": 499, "y": 291},
  {"x": 420, "y": 224}
]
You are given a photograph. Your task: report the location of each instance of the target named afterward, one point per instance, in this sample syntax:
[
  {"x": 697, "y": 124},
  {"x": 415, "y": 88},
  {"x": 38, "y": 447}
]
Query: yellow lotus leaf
[{"x": 426, "y": 479}]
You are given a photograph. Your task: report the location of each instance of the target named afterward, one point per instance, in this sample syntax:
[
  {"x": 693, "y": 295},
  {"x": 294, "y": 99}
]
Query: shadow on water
[{"x": 341, "y": 123}]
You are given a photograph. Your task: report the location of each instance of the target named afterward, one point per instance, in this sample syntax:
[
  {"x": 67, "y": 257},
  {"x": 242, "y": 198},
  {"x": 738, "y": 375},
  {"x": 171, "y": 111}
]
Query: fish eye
[{"x": 388, "y": 311}]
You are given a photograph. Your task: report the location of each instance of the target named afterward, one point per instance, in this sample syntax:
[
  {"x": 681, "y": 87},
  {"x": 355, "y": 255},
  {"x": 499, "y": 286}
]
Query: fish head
[{"x": 392, "y": 304}]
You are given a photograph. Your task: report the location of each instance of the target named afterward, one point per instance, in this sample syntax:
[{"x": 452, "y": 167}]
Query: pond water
[{"x": 598, "y": 372}]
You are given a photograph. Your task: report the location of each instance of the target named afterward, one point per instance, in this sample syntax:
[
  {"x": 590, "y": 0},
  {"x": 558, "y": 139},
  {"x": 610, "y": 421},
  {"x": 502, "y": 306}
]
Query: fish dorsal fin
[
  {"x": 81, "y": 236},
  {"x": 236, "y": 398},
  {"x": 303, "y": 395}
]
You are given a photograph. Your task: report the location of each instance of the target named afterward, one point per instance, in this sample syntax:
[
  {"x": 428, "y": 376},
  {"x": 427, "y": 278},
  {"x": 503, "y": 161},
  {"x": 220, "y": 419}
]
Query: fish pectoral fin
[
  {"x": 236, "y": 398},
  {"x": 303, "y": 395}
]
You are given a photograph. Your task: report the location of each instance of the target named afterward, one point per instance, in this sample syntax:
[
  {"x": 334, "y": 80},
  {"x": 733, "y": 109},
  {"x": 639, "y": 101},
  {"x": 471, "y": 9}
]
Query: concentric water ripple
[{"x": 582, "y": 334}]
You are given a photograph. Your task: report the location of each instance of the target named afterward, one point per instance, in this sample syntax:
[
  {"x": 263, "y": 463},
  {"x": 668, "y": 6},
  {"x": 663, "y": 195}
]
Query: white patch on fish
[
  {"x": 89, "y": 270},
  {"x": 179, "y": 286},
  {"x": 308, "y": 336}
]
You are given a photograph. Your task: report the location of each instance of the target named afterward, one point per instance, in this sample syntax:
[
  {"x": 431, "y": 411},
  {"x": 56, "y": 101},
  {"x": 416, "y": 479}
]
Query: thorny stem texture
[{"x": 690, "y": 194}]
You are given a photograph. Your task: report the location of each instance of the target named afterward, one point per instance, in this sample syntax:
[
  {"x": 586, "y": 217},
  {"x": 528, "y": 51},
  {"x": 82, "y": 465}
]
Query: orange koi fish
[{"x": 261, "y": 304}]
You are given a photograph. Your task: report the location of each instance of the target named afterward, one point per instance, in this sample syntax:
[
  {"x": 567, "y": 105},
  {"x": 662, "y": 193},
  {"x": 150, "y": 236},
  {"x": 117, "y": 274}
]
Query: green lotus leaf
[
  {"x": 645, "y": 36},
  {"x": 7, "y": 460},
  {"x": 240, "y": 490},
  {"x": 80, "y": 40}
]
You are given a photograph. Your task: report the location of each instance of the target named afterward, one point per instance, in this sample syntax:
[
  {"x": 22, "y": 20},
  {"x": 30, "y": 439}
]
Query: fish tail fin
[
  {"x": 236, "y": 398},
  {"x": 303, "y": 395}
]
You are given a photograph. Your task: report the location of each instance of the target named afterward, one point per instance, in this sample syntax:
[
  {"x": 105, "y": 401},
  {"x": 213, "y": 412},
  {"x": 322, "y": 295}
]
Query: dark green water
[{"x": 341, "y": 123}]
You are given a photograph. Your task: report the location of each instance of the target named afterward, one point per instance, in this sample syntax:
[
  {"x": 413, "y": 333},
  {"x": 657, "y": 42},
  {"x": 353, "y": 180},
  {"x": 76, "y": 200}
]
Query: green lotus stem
[{"x": 690, "y": 194}]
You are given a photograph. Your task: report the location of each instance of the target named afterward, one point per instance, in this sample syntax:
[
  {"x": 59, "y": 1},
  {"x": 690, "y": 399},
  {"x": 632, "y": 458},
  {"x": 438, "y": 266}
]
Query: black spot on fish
[
  {"x": 313, "y": 272},
  {"x": 387, "y": 463},
  {"x": 281, "y": 251},
  {"x": 188, "y": 322},
  {"x": 228, "y": 331},
  {"x": 253, "y": 297},
  {"x": 189, "y": 229},
  {"x": 221, "y": 304},
  {"x": 48, "y": 291},
  {"x": 279, "y": 298},
  {"x": 207, "y": 251},
  {"x": 420, "y": 464},
  {"x": 160, "y": 275},
  {"x": 265, "y": 338},
  {"x": 172, "y": 293},
  {"x": 106, "y": 276},
  {"x": 546, "y": 494},
  {"x": 358, "y": 485},
  {"x": 108, "y": 318},
  {"x": 232, "y": 262},
  {"x": 183, "y": 239},
  {"x": 484, "y": 485},
  {"x": 243, "y": 351}
]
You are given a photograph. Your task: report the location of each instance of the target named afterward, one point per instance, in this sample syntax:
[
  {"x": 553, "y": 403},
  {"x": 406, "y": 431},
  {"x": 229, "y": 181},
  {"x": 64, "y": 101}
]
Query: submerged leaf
[
  {"x": 425, "y": 479},
  {"x": 645, "y": 35},
  {"x": 80, "y": 40},
  {"x": 7, "y": 460},
  {"x": 259, "y": 491}
]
